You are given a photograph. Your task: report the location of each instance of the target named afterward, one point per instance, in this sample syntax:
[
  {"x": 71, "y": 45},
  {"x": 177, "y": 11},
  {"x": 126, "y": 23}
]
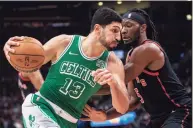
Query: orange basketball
[{"x": 29, "y": 55}]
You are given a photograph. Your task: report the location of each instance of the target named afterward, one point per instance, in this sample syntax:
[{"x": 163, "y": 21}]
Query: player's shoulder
[
  {"x": 112, "y": 56},
  {"x": 148, "y": 51},
  {"x": 114, "y": 59},
  {"x": 67, "y": 38},
  {"x": 63, "y": 37},
  {"x": 151, "y": 47}
]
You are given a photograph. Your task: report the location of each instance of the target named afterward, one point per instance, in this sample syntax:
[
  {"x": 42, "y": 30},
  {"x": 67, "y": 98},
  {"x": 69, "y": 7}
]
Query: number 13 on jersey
[{"x": 72, "y": 88}]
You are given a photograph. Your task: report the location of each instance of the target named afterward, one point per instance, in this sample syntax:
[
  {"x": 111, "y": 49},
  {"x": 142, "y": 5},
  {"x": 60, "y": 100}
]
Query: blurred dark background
[{"x": 44, "y": 20}]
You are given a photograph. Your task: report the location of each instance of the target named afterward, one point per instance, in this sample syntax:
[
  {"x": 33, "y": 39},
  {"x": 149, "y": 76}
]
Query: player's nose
[
  {"x": 124, "y": 31},
  {"x": 118, "y": 36}
]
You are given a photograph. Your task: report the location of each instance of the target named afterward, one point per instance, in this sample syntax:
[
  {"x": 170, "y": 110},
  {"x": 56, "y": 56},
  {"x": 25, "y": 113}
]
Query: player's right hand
[
  {"x": 93, "y": 114},
  {"x": 13, "y": 41},
  {"x": 103, "y": 77}
]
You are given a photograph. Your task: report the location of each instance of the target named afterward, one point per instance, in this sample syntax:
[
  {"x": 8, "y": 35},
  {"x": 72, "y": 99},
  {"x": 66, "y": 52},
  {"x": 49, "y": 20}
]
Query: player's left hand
[
  {"x": 103, "y": 76},
  {"x": 93, "y": 115}
]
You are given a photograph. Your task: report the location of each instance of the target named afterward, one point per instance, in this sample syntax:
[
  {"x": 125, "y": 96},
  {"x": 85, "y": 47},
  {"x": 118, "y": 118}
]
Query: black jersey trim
[
  {"x": 185, "y": 117},
  {"x": 165, "y": 92},
  {"x": 151, "y": 73}
]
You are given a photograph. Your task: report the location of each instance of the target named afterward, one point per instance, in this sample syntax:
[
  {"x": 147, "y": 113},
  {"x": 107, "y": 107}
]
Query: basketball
[{"x": 28, "y": 56}]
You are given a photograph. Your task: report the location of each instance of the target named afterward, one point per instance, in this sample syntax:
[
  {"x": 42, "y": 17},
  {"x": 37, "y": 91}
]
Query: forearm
[
  {"x": 35, "y": 78},
  {"x": 132, "y": 71},
  {"x": 119, "y": 98},
  {"x": 133, "y": 103},
  {"x": 129, "y": 72},
  {"x": 112, "y": 113}
]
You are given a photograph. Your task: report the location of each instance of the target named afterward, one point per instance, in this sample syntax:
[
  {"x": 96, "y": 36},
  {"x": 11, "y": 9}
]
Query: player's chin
[
  {"x": 127, "y": 41},
  {"x": 114, "y": 45}
]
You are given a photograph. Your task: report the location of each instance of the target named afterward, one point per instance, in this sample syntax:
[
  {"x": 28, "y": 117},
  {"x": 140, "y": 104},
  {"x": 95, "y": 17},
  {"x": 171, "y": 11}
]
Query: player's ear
[
  {"x": 143, "y": 28},
  {"x": 97, "y": 29}
]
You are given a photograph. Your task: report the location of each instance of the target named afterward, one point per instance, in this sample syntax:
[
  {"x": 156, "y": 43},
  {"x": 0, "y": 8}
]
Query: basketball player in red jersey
[{"x": 150, "y": 77}]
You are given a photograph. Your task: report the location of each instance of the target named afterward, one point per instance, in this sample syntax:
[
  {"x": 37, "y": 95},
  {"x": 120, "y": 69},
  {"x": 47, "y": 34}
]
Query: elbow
[
  {"x": 122, "y": 109},
  {"x": 125, "y": 109}
]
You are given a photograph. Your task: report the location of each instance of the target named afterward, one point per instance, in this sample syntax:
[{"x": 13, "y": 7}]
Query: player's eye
[
  {"x": 128, "y": 25},
  {"x": 115, "y": 30}
]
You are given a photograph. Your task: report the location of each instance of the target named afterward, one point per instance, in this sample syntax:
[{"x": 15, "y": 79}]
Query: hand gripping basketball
[{"x": 25, "y": 54}]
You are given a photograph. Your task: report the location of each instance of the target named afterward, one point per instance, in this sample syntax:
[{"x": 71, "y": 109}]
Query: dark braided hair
[{"x": 151, "y": 30}]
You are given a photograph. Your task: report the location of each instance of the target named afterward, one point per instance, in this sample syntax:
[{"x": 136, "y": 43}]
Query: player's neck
[
  {"x": 92, "y": 47},
  {"x": 142, "y": 39}
]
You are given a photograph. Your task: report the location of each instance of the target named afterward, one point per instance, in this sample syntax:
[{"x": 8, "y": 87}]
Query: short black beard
[
  {"x": 103, "y": 42},
  {"x": 135, "y": 41}
]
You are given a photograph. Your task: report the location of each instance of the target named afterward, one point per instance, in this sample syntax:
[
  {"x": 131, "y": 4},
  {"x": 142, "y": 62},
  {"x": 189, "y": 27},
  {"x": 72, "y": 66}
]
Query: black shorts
[{"x": 180, "y": 118}]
